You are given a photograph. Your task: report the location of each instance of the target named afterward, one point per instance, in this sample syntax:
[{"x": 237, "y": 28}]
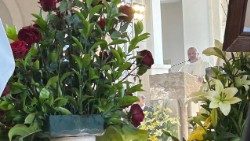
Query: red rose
[
  {"x": 137, "y": 115},
  {"x": 19, "y": 49},
  {"x": 29, "y": 34},
  {"x": 48, "y": 5},
  {"x": 146, "y": 58},
  {"x": 103, "y": 55},
  {"x": 6, "y": 90},
  {"x": 1, "y": 113},
  {"x": 102, "y": 23},
  {"x": 128, "y": 12}
]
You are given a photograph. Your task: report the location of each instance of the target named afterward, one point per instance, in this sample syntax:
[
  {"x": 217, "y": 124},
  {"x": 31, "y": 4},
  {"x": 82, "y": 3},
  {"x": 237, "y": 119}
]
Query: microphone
[
  {"x": 180, "y": 63},
  {"x": 170, "y": 69}
]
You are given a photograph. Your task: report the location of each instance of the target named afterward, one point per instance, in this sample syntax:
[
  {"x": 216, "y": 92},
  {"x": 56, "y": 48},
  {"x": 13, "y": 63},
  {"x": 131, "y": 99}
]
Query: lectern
[{"x": 177, "y": 86}]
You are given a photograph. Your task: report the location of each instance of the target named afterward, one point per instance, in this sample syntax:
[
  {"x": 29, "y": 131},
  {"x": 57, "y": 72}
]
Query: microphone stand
[{"x": 178, "y": 64}]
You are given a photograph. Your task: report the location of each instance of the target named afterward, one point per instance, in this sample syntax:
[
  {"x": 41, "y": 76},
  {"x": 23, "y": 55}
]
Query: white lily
[
  {"x": 223, "y": 97},
  {"x": 242, "y": 81},
  {"x": 199, "y": 95}
]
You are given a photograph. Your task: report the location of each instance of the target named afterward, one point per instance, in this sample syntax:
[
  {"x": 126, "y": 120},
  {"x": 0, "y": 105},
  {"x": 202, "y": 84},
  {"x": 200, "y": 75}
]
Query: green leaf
[
  {"x": 214, "y": 117},
  {"x": 30, "y": 118},
  {"x": 89, "y": 2},
  {"x": 60, "y": 101},
  {"x": 116, "y": 1},
  {"x": 134, "y": 89},
  {"x": 17, "y": 87},
  {"x": 101, "y": 43},
  {"x": 78, "y": 61},
  {"x": 127, "y": 101},
  {"x": 78, "y": 43},
  {"x": 52, "y": 82},
  {"x": 138, "y": 28},
  {"x": 22, "y": 130},
  {"x": 11, "y": 32},
  {"x": 86, "y": 60},
  {"x": 64, "y": 5},
  {"x": 136, "y": 40},
  {"x": 117, "y": 56},
  {"x": 28, "y": 59},
  {"x": 95, "y": 10},
  {"x": 92, "y": 74},
  {"x": 44, "y": 94},
  {"x": 214, "y": 51},
  {"x": 40, "y": 21},
  {"x": 63, "y": 110},
  {"x": 5, "y": 105},
  {"x": 118, "y": 41},
  {"x": 88, "y": 27},
  {"x": 64, "y": 76},
  {"x": 142, "y": 70}
]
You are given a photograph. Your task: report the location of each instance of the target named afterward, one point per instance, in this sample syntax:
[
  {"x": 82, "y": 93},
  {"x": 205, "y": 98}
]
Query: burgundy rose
[
  {"x": 102, "y": 23},
  {"x": 48, "y": 5},
  {"x": 137, "y": 115},
  {"x": 6, "y": 90},
  {"x": 103, "y": 55},
  {"x": 146, "y": 58},
  {"x": 1, "y": 114},
  {"x": 19, "y": 49},
  {"x": 128, "y": 12},
  {"x": 29, "y": 34}
]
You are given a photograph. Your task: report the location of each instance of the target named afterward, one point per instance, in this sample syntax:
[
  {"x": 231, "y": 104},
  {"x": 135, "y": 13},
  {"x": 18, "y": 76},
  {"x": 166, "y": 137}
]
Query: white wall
[
  {"x": 197, "y": 25},
  {"x": 172, "y": 30},
  {"x": 18, "y": 12},
  {"x": 5, "y": 14}
]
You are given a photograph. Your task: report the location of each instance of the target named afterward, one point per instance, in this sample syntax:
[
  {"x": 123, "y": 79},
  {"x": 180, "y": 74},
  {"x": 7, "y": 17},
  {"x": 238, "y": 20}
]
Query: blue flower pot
[{"x": 75, "y": 125}]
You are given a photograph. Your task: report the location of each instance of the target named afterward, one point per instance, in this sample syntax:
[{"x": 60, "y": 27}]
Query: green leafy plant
[
  {"x": 225, "y": 98},
  {"x": 75, "y": 59},
  {"x": 160, "y": 123}
]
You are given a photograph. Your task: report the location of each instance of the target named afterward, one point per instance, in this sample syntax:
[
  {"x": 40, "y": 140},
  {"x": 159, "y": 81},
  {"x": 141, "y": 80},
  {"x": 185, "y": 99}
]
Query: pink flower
[
  {"x": 19, "y": 49},
  {"x": 137, "y": 115}
]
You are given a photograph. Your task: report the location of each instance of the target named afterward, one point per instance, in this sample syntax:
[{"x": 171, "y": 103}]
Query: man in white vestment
[{"x": 195, "y": 66}]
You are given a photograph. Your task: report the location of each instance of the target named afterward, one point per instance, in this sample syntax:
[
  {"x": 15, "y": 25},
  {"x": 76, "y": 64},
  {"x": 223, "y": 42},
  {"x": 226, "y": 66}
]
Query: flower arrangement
[
  {"x": 224, "y": 98},
  {"x": 160, "y": 124},
  {"x": 73, "y": 60}
]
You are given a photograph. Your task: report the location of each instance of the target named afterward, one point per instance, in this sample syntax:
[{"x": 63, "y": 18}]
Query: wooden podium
[{"x": 178, "y": 87}]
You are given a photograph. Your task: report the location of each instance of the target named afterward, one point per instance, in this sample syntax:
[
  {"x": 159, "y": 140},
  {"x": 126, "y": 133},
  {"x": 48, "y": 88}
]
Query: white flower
[
  {"x": 242, "y": 81},
  {"x": 222, "y": 97},
  {"x": 199, "y": 95}
]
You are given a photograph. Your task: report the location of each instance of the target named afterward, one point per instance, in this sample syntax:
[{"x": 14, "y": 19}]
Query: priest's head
[{"x": 192, "y": 54}]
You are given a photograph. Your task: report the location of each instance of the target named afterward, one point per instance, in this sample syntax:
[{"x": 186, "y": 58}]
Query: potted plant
[
  {"x": 224, "y": 98},
  {"x": 71, "y": 64}
]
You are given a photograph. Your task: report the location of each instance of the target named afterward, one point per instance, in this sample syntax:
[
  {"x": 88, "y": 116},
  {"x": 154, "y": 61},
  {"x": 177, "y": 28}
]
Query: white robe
[
  {"x": 7, "y": 63},
  {"x": 197, "y": 68}
]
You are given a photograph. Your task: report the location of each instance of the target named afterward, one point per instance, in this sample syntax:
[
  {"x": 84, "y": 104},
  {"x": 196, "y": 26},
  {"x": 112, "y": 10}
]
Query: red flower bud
[
  {"x": 6, "y": 90},
  {"x": 102, "y": 23},
  {"x": 48, "y": 5},
  {"x": 128, "y": 12},
  {"x": 146, "y": 58},
  {"x": 29, "y": 34},
  {"x": 137, "y": 115},
  {"x": 19, "y": 49}
]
